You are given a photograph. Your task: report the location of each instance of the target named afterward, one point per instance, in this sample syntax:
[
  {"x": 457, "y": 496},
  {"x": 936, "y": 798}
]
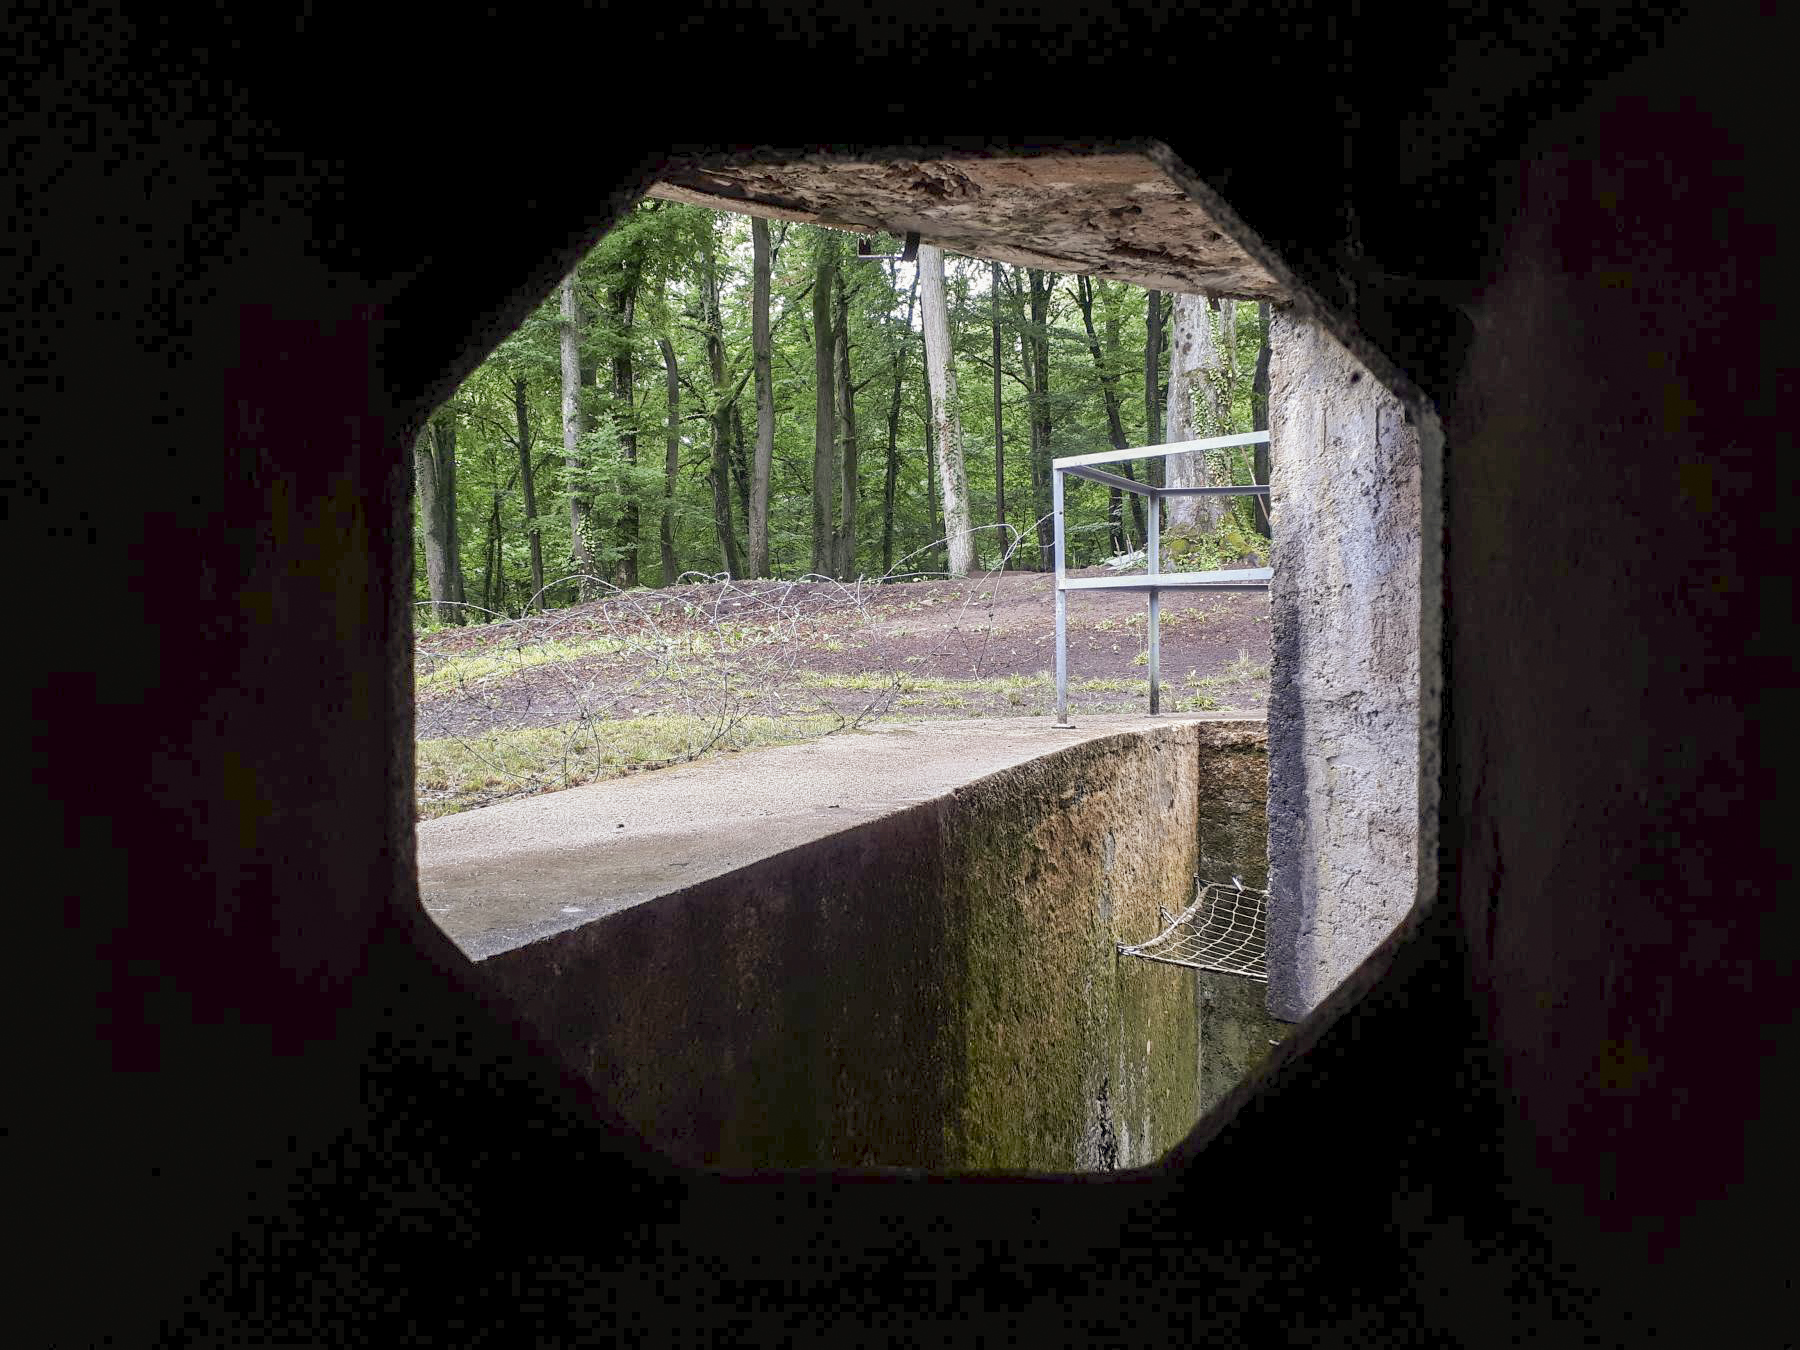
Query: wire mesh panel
[{"x": 1225, "y": 929}]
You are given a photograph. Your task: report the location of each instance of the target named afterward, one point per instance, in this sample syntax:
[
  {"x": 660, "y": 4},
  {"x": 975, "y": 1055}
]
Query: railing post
[
  {"x": 1155, "y": 569},
  {"x": 1062, "y": 603},
  {"x": 1087, "y": 466}
]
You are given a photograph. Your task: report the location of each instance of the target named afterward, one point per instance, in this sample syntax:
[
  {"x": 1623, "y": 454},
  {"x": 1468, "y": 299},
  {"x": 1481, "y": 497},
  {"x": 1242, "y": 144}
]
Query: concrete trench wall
[
  {"x": 935, "y": 988},
  {"x": 1234, "y": 1031},
  {"x": 1344, "y": 673}
]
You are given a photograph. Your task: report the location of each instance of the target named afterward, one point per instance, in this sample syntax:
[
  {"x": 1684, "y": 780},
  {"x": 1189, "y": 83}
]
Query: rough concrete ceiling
[{"x": 1113, "y": 215}]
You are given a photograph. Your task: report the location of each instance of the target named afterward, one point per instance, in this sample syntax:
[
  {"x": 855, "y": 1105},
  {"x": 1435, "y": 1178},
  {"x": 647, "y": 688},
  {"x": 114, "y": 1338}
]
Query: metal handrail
[{"x": 1155, "y": 581}]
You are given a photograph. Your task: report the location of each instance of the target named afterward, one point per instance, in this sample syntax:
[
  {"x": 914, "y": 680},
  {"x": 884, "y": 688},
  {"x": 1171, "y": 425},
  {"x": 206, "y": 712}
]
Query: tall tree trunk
[
  {"x": 671, "y": 568},
  {"x": 1110, "y": 300},
  {"x": 575, "y": 425},
  {"x": 824, "y": 405},
  {"x": 624, "y": 302},
  {"x": 526, "y": 482},
  {"x": 999, "y": 421},
  {"x": 1084, "y": 299},
  {"x": 890, "y": 478},
  {"x": 848, "y": 453},
  {"x": 893, "y": 438},
  {"x": 740, "y": 461},
  {"x": 1034, "y": 351},
  {"x": 1115, "y": 422},
  {"x": 434, "y": 459},
  {"x": 445, "y": 428},
  {"x": 1224, "y": 393},
  {"x": 940, "y": 359},
  {"x": 1152, "y": 386},
  {"x": 1191, "y": 413},
  {"x": 931, "y": 475},
  {"x": 761, "y": 349},
  {"x": 1259, "y": 411},
  {"x": 1228, "y": 337},
  {"x": 720, "y": 411},
  {"x": 1153, "y": 333},
  {"x": 1222, "y": 373},
  {"x": 490, "y": 554},
  {"x": 491, "y": 526}
]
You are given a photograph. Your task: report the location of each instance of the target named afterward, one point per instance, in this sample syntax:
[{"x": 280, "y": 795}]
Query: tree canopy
[{"x": 656, "y": 466}]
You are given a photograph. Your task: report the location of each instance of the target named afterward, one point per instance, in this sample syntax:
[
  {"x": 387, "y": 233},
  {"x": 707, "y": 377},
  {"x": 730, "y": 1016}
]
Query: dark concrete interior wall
[
  {"x": 266, "y": 1100},
  {"x": 1344, "y": 693},
  {"x": 1622, "y": 655}
]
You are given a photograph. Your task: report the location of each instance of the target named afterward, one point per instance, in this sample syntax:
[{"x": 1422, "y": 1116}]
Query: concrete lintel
[{"x": 1114, "y": 214}]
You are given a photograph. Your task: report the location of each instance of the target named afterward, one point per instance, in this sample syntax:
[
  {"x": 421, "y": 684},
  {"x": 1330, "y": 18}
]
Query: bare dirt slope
[{"x": 799, "y": 659}]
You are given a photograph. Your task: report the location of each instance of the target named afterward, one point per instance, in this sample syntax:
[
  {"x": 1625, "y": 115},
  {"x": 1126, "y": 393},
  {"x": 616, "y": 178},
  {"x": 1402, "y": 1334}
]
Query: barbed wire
[
  {"x": 638, "y": 678},
  {"x": 709, "y": 662}
]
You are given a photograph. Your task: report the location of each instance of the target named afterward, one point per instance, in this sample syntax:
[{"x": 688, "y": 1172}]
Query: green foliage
[
  {"x": 460, "y": 773},
  {"x": 1233, "y": 544},
  {"x": 654, "y": 255}
]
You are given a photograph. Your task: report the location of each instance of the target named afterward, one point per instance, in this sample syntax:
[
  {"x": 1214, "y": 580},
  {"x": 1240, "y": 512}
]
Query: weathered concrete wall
[
  {"x": 1234, "y": 1030},
  {"x": 1343, "y": 699},
  {"x": 935, "y": 987},
  {"x": 1234, "y": 803}
]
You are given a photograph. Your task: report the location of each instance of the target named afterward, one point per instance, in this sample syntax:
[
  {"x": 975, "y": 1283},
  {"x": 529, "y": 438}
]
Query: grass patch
[
  {"x": 473, "y": 667},
  {"x": 1224, "y": 690},
  {"x": 940, "y": 684},
  {"x": 460, "y": 773},
  {"x": 505, "y": 659}
]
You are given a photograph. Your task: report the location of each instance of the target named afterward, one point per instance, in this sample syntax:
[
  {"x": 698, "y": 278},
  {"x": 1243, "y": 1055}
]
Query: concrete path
[{"x": 502, "y": 876}]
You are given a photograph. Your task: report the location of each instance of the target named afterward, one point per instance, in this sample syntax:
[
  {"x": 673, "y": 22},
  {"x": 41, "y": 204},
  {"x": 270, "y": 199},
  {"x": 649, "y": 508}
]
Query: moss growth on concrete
[
  {"x": 1236, "y": 1032},
  {"x": 938, "y": 988},
  {"x": 1076, "y": 1058},
  {"x": 1233, "y": 817}
]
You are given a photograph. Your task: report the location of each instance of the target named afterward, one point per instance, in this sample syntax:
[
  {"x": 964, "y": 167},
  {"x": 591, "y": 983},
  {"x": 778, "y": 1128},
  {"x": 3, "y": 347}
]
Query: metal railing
[{"x": 1154, "y": 580}]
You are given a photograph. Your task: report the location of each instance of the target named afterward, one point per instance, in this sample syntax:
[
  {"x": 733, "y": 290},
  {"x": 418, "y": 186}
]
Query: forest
[{"x": 710, "y": 394}]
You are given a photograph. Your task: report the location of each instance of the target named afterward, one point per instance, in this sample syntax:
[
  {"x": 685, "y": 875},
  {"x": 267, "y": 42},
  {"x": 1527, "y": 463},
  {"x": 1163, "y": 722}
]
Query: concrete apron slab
[{"x": 503, "y": 876}]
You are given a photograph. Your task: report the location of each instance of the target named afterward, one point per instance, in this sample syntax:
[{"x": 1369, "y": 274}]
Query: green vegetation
[
  {"x": 1239, "y": 685},
  {"x": 503, "y": 659},
  {"x": 936, "y": 684},
  {"x": 457, "y": 773},
  {"x": 750, "y": 399},
  {"x": 666, "y": 412},
  {"x": 512, "y": 656},
  {"x": 1233, "y": 544}
]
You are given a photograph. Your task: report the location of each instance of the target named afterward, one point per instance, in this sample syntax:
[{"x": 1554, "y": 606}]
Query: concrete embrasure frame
[
  {"x": 252, "y": 1023},
  {"x": 1303, "y": 302}
]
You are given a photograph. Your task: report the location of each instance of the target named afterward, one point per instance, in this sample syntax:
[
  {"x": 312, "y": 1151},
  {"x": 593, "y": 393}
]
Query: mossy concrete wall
[
  {"x": 1234, "y": 1031},
  {"x": 1233, "y": 820},
  {"x": 936, "y": 988}
]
